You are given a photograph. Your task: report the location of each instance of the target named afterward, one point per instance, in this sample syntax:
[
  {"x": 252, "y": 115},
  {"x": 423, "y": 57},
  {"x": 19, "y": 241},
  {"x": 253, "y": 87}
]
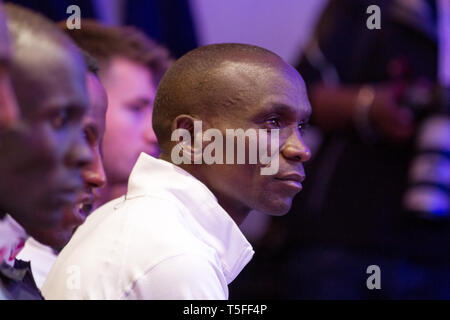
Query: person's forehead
[
  {"x": 299, "y": 110},
  {"x": 271, "y": 72},
  {"x": 119, "y": 67},
  {"x": 128, "y": 79},
  {"x": 286, "y": 92},
  {"x": 52, "y": 76},
  {"x": 267, "y": 86}
]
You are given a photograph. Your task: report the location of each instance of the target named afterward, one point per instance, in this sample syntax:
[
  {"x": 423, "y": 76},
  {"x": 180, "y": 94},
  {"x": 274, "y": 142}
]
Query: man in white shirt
[{"x": 175, "y": 234}]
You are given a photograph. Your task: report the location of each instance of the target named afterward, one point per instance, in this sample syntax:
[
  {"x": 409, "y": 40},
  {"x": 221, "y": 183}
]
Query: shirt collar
[
  {"x": 153, "y": 176},
  {"x": 12, "y": 239}
]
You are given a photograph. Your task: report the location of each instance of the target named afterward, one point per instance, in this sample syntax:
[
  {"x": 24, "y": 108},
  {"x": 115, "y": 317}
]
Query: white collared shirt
[
  {"x": 12, "y": 238},
  {"x": 167, "y": 239}
]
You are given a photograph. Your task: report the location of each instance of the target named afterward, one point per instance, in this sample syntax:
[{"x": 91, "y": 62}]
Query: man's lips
[
  {"x": 293, "y": 176},
  {"x": 85, "y": 204},
  {"x": 293, "y": 180},
  {"x": 67, "y": 195}
]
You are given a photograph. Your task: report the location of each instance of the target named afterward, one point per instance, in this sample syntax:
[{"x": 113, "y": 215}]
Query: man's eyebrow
[
  {"x": 279, "y": 108},
  {"x": 142, "y": 101},
  {"x": 285, "y": 109},
  {"x": 307, "y": 118},
  {"x": 74, "y": 108}
]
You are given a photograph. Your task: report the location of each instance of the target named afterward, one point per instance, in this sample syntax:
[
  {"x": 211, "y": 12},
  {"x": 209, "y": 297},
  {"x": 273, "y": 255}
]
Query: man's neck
[
  {"x": 111, "y": 192},
  {"x": 236, "y": 211}
]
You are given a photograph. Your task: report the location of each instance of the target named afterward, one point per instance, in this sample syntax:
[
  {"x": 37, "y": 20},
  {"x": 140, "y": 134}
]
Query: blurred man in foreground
[
  {"x": 42, "y": 256},
  {"x": 43, "y": 152}
]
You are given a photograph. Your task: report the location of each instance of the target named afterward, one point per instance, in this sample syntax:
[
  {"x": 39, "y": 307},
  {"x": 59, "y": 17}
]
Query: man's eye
[
  {"x": 59, "y": 119},
  {"x": 302, "y": 127},
  {"x": 86, "y": 135},
  {"x": 274, "y": 122},
  {"x": 136, "y": 108}
]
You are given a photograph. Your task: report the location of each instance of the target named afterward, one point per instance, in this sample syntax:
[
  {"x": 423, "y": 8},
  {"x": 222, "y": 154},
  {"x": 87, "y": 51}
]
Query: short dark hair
[{"x": 106, "y": 42}]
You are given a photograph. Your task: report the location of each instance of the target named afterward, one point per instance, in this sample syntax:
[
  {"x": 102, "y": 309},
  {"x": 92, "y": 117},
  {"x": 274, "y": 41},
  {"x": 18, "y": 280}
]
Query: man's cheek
[
  {"x": 268, "y": 151},
  {"x": 40, "y": 146}
]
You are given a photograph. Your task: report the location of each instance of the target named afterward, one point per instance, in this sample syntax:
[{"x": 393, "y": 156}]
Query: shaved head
[
  {"x": 27, "y": 28},
  {"x": 198, "y": 83},
  {"x": 37, "y": 42}
]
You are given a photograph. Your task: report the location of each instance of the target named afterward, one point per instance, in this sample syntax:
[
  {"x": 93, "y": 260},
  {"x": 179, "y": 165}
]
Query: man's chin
[
  {"x": 50, "y": 218},
  {"x": 275, "y": 208},
  {"x": 55, "y": 239}
]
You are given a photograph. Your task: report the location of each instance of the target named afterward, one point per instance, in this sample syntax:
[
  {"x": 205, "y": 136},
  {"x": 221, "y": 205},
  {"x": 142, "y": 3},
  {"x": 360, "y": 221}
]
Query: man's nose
[
  {"x": 79, "y": 155},
  {"x": 295, "y": 148},
  {"x": 94, "y": 174}
]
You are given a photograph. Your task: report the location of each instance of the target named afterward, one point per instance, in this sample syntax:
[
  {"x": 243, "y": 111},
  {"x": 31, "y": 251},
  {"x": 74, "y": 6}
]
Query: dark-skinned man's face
[
  {"x": 93, "y": 173},
  {"x": 42, "y": 154},
  {"x": 267, "y": 97}
]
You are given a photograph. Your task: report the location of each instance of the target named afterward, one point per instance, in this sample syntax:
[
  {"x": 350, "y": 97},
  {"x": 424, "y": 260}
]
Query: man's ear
[
  {"x": 187, "y": 122},
  {"x": 191, "y": 147},
  {"x": 183, "y": 121}
]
